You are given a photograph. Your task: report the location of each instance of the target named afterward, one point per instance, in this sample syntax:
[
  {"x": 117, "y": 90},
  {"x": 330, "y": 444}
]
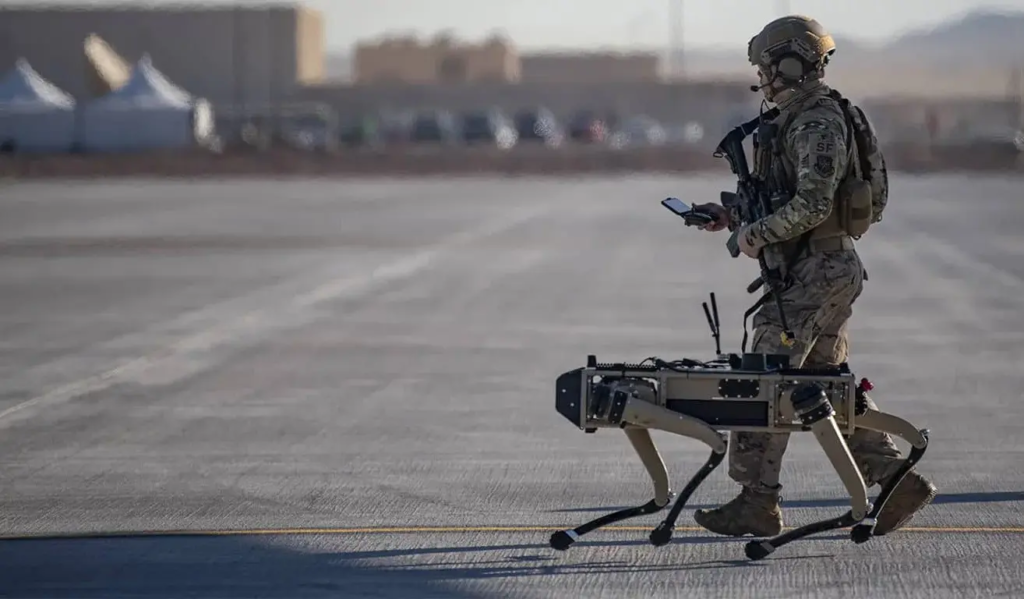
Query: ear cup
[{"x": 791, "y": 68}]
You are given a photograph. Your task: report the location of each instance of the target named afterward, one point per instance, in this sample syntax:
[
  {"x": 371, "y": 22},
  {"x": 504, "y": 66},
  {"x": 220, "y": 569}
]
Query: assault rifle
[{"x": 753, "y": 202}]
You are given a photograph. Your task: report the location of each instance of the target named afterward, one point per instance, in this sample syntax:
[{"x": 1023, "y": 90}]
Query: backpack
[{"x": 870, "y": 164}]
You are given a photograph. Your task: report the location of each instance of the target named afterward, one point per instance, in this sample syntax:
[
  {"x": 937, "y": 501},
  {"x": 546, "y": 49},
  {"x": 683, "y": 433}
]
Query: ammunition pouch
[{"x": 851, "y": 210}]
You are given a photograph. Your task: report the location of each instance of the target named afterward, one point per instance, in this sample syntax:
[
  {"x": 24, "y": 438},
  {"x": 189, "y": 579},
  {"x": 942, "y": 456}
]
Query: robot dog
[{"x": 734, "y": 392}]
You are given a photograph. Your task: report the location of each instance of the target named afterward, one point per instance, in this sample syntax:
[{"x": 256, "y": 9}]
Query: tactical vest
[{"x": 862, "y": 193}]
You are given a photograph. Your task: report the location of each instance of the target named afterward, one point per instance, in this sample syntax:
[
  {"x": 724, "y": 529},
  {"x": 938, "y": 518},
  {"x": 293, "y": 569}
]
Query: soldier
[{"x": 831, "y": 184}]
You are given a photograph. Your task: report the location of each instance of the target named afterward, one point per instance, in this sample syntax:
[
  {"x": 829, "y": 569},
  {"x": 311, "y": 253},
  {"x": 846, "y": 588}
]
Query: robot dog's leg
[
  {"x": 653, "y": 416},
  {"x": 812, "y": 407},
  {"x": 644, "y": 446},
  {"x": 663, "y": 533},
  {"x": 637, "y": 416},
  {"x": 820, "y": 418},
  {"x": 894, "y": 425}
]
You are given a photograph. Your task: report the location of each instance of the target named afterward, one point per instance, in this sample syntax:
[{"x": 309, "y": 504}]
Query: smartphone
[
  {"x": 676, "y": 205},
  {"x": 686, "y": 211}
]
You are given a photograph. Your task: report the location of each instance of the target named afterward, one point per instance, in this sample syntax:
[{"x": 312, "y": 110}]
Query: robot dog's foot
[{"x": 751, "y": 512}]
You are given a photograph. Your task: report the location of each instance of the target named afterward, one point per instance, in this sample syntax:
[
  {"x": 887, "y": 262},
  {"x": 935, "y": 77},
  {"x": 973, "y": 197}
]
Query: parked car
[
  {"x": 587, "y": 127},
  {"x": 489, "y": 126},
  {"x": 538, "y": 125},
  {"x": 361, "y": 132},
  {"x": 686, "y": 134},
  {"x": 638, "y": 130},
  {"x": 435, "y": 127}
]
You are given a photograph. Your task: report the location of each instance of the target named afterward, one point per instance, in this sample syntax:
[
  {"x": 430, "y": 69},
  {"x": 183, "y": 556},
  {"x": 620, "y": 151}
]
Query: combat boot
[
  {"x": 913, "y": 493},
  {"x": 751, "y": 512}
]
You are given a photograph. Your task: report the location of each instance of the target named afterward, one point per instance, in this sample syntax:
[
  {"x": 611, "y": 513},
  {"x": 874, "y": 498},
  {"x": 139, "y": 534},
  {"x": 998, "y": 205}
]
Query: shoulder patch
[
  {"x": 822, "y": 143},
  {"x": 822, "y": 154},
  {"x": 824, "y": 166}
]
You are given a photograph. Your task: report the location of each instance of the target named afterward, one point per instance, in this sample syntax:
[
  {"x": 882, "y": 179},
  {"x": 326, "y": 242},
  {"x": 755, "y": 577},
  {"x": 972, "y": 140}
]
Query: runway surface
[{"x": 345, "y": 389}]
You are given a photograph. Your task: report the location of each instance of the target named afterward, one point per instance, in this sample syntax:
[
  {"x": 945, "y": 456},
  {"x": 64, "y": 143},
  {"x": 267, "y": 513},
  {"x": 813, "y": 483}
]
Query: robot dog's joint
[{"x": 811, "y": 404}]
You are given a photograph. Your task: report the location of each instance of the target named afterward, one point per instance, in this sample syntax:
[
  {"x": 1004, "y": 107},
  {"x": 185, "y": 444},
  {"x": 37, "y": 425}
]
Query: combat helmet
[{"x": 791, "y": 48}]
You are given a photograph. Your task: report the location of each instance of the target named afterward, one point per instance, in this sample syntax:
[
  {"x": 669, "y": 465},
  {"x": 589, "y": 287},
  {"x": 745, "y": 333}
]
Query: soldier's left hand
[{"x": 747, "y": 246}]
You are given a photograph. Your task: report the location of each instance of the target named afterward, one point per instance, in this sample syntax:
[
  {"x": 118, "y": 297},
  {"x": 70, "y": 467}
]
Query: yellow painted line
[{"x": 429, "y": 529}]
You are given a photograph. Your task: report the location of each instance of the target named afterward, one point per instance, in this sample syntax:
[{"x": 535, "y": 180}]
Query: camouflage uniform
[{"x": 823, "y": 282}]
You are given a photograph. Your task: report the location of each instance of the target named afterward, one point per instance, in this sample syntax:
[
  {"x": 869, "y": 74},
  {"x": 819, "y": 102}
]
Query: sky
[{"x": 616, "y": 23}]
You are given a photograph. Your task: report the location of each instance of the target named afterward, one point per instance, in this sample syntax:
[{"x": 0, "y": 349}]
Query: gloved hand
[
  {"x": 741, "y": 241},
  {"x": 718, "y": 211}
]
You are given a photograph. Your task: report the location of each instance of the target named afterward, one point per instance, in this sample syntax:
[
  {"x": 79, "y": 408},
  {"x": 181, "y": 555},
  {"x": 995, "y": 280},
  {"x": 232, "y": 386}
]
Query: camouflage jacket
[{"x": 814, "y": 134}]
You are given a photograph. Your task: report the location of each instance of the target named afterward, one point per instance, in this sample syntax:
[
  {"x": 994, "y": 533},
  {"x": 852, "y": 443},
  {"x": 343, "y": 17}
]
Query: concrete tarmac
[{"x": 345, "y": 389}]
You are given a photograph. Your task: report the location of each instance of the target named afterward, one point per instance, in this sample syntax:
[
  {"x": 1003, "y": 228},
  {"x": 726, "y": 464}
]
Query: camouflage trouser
[{"x": 818, "y": 304}]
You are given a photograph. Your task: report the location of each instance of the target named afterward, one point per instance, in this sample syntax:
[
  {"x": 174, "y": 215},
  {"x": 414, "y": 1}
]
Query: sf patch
[
  {"x": 822, "y": 151},
  {"x": 824, "y": 166}
]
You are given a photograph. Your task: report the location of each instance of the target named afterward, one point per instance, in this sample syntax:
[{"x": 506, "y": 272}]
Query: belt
[{"x": 830, "y": 244}]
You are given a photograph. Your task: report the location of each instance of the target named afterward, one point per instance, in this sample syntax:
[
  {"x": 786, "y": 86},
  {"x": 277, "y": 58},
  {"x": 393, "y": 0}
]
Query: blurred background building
[
  {"x": 269, "y": 59},
  {"x": 591, "y": 67},
  {"x": 235, "y": 54},
  {"x": 445, "y": 60},
  {"x": 263, "y": 55},
  {"x": 442, "y": 60}
]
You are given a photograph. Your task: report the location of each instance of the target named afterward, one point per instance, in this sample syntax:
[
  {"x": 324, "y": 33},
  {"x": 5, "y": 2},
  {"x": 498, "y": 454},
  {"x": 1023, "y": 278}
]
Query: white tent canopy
[
  {"x": 35, "y": 115},
  {"x": 148, "y": 112}
]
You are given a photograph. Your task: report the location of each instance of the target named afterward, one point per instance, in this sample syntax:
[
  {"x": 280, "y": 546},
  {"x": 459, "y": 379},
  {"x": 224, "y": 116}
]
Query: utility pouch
[{"x": 854, "y": 206}]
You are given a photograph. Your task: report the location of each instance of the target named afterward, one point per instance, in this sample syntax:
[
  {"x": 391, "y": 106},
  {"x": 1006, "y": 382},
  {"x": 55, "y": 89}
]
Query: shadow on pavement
[
  {"x": 232, "y": 567},
  {"x": 201, "y": 568}
]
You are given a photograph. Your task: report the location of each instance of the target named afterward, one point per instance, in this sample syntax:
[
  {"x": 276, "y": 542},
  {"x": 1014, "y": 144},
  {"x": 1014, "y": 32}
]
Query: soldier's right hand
[{"x": 719, "y": 212}]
